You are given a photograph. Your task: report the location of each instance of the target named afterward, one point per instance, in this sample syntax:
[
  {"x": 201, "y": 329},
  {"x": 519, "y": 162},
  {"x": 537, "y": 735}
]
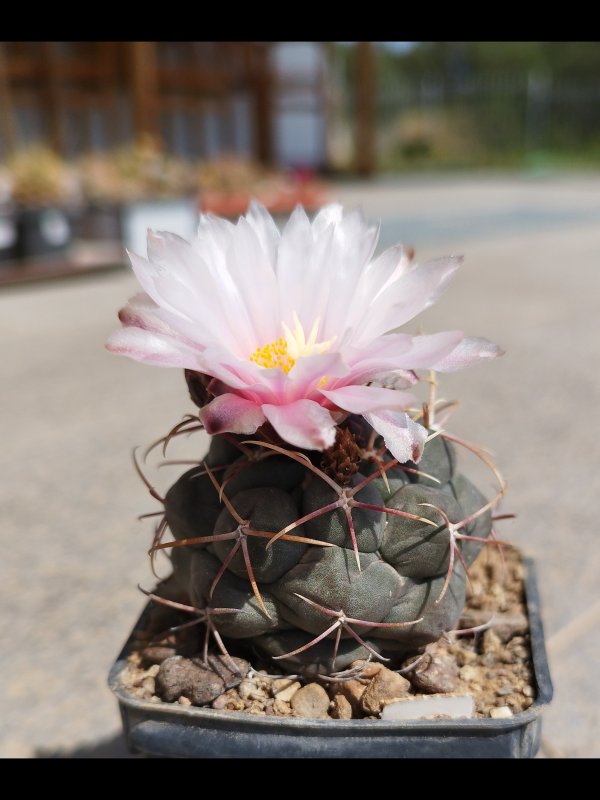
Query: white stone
[
  {"x": 287, "y": 694},
  {"x": 502, "y": 712},
  {"x": 453, "y": 706}
]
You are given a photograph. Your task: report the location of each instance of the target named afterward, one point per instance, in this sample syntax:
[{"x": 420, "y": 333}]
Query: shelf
[{"x": 83, "y": 258}]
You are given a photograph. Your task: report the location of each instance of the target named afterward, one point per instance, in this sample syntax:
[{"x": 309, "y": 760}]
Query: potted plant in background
[
  {"x": 228, "y": 183},
  {"x": 46, "y": 194},
  {"x": 103, "y": 194},
  {"x": 321, "y": 549},
  {"x": 8, "y": 219},
  {"x": 130, "y": 186},
  {"x": 156, "y": 189}
]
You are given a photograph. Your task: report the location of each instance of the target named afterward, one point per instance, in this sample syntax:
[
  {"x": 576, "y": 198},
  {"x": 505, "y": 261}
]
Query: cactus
[
  {"x": 327, "y": 522},
  {"x": 321, "y": 558}
]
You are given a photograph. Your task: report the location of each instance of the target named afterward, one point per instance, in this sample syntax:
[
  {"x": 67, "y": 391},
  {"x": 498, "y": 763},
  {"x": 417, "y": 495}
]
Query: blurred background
[{"x": 490, "y": 149}]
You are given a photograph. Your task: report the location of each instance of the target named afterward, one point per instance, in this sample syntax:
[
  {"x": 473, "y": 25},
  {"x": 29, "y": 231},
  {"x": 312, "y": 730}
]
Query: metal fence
[
  {"x": 486, "y": 118},
  {"x": 530, "y": 109}
]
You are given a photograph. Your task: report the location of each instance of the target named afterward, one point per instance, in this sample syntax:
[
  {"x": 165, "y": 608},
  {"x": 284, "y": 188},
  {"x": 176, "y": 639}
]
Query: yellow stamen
[
  {"x": 274, "y": 354},
  {"x": 285, "y": 351}
]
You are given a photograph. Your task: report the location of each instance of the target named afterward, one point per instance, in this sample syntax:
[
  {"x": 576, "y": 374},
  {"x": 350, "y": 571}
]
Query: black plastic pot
[
  {"x": 171, "y": 730},
  {"x": 44, "y": 232},
  {"x": 8, "y": 235},
  {"x": 101, "y": 222}
]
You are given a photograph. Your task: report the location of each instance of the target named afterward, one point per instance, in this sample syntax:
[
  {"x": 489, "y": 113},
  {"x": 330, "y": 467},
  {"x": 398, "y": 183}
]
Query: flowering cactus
[{"x": 327, "y": 520}]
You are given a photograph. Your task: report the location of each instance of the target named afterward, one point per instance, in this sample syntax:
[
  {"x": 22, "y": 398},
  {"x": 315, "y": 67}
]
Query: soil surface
[{"x": 493, "y": 664}]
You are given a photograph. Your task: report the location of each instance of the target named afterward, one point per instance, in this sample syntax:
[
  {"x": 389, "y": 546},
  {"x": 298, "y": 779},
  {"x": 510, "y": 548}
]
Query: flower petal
[
  {"x": 331, "y": 214},
  {"x": 302, "y": 269},
  {"x": 403, "y": 437},
  {"x": 361, "y": 399},
  {"x": 400, "y": 351},
  {"x": 153, "y": 348},
  {"x": 402, "y": 300},
  {"x": 230, "y": 413},
  {"x": 353, "y": 244},
  {"x": 381, "y": 272},
  {"x": 168, "y": 284},
  {"x": 305, "y": 376},
  {"x": 265, "y": 229},
  {"x": 466, "y": 352},
  {"x": 261, "y": 384},
  {"x": 304, "y": 424},
  {"x": 142, "y": 312},
  {"x": 250, "y": 268}
]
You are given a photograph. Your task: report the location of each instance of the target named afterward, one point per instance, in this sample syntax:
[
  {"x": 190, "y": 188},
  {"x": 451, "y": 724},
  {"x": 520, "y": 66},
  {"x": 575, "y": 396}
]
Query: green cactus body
[{"x": 404, "y": 595}]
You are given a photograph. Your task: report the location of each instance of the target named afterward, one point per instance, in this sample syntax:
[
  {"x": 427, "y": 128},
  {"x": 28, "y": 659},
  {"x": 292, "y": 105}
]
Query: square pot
[
  {"x": 101, "y": 222},
  {"x": 172, "y": 730},
  {"x": 8, "y": 235},
  {"x": 179, "y": 216},
  {"x": 43, "y": 232}
]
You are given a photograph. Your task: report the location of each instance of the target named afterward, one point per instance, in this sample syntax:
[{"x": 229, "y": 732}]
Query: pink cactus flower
[{"x": 292, "y": 327}]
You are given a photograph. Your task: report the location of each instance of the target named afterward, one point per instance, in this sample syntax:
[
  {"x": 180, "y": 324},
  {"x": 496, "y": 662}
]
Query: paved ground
[{"x": 73, "y": 551}]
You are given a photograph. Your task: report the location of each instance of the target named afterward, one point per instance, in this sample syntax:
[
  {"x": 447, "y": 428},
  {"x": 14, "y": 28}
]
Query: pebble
[
  {"x": 259, "y": 694},
  {"x": 501, "y": 712},
  {"x": 464, "y": 657},
  {"x": 505, "y": 625},
  {"x": 435, "y": 674},
  {"x": 504, "y": 690},
  {"x": 229, "y": 700},
  {"x": 468, "y": 673},
  {"x": 184, "y": 701},
  {"x": 281, "y": 708},
  {"x": 352, "y": 690},
  {"x": 341, "y": 708},
  {"x": 279, "y": 684},
  {"x": 245, "y": 688},
  {"x": 311, "y": 701},
  {"x": 224, "y": 668},
  {"x": 506, "y": 657},
  {"x": 288, "y": 692},
  {"x": 180, "y": 676},
  {"x": 156, "y": 654},
  {"x": 491, "y": 642},
  {"x": 368, "y": 669},
  {"x": 148, "y": 684},
  {"x": 527, "y": 691},
  {"x": 184, "y": 643},
  {"x": 257, "y": 708},
  {"x": 385, "y": 687},
  {"x": 205, "y": 687}
]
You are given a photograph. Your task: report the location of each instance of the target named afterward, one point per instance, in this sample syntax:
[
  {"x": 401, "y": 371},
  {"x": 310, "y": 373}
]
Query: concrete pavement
[{"x": 73, "y": 551}]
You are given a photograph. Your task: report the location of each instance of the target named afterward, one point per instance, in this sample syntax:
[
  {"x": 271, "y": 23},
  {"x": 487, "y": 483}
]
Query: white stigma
[{"x": 298, "y": 345}]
